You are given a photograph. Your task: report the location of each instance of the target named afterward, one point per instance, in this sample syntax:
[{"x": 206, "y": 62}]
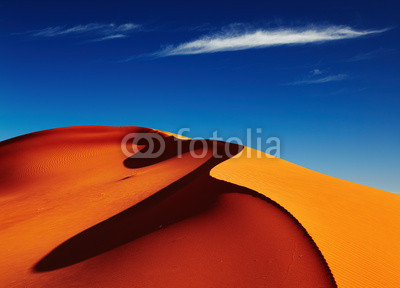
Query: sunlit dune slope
[
  {"x": 76, "y": 212},
  {"x": 357, "y": 228}
]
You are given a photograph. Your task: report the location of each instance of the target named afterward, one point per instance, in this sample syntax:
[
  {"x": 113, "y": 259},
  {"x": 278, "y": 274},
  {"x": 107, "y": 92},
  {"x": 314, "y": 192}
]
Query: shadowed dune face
[{"x": 170, "y": 223}]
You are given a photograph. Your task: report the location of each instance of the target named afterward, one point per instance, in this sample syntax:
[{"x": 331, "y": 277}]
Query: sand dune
[
  {"x": 355, "y": 227},
  {"x": 75, "y": 211}
]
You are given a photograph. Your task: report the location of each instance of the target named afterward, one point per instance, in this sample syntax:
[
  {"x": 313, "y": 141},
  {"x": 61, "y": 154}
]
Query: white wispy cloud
[
  {"x": 261, "y": 38},
  {"x": 370, "y": 54},
  {"x": 325, "y": 79},
  {"x": 105, "y": 31},
  {"x": 115, "y": 36},
  {"x": 316, "y": 72}
]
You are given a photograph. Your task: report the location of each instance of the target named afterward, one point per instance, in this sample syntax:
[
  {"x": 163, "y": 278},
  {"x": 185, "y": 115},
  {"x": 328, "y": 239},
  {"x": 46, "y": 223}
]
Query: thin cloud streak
[
  {"x": 234, "y": 40},
  {"x": 370, "y": 55},
  {"x": 108, "y": 31},
  {"x": 116, "y": 36},
  {"x": 330, "y": 78}
]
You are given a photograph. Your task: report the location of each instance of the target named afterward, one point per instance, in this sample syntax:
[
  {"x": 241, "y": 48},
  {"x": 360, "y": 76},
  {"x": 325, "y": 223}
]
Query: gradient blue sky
[{"x": 334, "y": 103}]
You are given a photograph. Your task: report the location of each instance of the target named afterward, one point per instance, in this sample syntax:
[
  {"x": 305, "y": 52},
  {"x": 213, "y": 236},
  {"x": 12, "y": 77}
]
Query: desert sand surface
[
  {"x": 76, "y": 212},
  {"x": 356, "y": 227}
]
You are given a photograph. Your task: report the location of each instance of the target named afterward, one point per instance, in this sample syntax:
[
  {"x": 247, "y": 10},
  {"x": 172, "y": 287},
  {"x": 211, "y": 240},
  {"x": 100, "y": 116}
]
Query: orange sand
[
  {"x": 357, "y": 228},
  {"x": 76, "y": 212}
]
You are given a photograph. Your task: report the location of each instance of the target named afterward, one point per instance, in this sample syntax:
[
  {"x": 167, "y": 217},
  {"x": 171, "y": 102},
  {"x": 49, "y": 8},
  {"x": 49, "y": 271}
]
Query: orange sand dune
[
  {"x": 357, "y": 228},
  {"x": 76, "y": 212}
]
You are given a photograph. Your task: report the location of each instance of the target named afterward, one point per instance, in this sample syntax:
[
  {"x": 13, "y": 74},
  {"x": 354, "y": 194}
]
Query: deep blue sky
[{"x": 334, "y": 104}]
